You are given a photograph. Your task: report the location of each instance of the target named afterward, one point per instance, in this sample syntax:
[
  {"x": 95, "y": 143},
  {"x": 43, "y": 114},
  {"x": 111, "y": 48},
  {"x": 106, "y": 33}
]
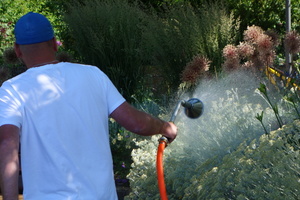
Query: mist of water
[
  {"x": 230, "y": 106},
  {"x": 228, "y": 121}
]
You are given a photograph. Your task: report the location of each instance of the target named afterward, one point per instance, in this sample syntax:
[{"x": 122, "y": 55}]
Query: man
[{"x": 59, "y": 113}]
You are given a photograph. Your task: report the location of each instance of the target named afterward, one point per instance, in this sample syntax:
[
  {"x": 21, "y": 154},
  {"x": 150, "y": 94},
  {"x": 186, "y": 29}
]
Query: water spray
[{"x": 193, "y": 108}]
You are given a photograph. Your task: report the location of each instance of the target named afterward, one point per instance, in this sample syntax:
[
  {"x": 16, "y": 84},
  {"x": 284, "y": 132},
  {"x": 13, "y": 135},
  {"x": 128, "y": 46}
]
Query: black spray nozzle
[{"x": 193, "y": 108}]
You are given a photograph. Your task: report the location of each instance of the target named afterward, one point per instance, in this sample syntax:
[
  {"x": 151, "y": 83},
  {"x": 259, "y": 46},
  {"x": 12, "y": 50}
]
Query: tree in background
[
  {"x": 12, "y": 10},
  {"x": 267, "y": 14}
]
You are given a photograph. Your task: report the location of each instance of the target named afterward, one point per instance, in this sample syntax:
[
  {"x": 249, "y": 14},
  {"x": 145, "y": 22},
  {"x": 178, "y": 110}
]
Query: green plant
[
  {"x": 266, "y": 168},
  {"x": 108, "y": 34},
  {"x": 293, "y": 98},
  {"x": 268, "y": 14},
  {"x": 121, "y": 142},
  {"x": 183, "y": 32},
  {"x": 259, "y": 117},
  {"x": 230, "y": 106},
  {"x": 274, "y": 107},
  {"x": 12, "y": 10}
]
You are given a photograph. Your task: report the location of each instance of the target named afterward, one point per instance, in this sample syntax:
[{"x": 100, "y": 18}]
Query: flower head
[
  {"x": 292, "y": 42},
  {"x": 10, "y": 56},
  {"x": 123, "y": 165},
  {"x": 274, "y": 37},
  {"x": 193, "y": 70},
  {"x": 231, "y": 55},
  {"x": 268, "y": 57},
  {"x": 264, "y": 43},
  {"x": 245, "y": 50},
  {"x": 230, "y": 52},
  {"x": 252, "y": 33},
  {"x": 59, "y": 43}
]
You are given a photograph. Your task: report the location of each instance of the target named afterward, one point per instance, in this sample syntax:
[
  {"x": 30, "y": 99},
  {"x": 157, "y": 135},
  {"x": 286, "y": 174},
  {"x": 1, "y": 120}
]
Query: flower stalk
[{"x": 263, "y": 90}]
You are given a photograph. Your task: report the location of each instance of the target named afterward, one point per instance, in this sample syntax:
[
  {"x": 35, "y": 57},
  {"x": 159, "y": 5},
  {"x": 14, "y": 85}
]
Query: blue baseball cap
[{"x": 33, "y": 28}]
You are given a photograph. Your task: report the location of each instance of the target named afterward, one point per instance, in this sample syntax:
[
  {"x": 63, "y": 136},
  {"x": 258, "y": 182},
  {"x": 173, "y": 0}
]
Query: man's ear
[
  {"x": 17, "y": 50},
  {"x": 55, "y": 46}
]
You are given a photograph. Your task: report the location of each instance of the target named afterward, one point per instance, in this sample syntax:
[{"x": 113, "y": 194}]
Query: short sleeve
[
  {"x": 10, "y": 106},
  {"x": 114, "y": 98}
]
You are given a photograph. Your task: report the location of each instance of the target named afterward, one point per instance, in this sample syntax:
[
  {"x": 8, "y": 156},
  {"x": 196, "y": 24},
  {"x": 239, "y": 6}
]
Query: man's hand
[
  {"x": 169, "y": 130},
  {"x": 9, "y": 161}
]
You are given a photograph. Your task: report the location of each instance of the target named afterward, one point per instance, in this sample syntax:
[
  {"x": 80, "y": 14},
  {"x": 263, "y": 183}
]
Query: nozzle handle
[{"x": 175, "y": 112}]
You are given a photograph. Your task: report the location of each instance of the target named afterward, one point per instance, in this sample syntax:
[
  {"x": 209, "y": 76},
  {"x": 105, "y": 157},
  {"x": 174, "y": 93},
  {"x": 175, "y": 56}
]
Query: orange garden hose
[
  {"x": 160, "y": 169},
  {"x": 193, "y": 109}
]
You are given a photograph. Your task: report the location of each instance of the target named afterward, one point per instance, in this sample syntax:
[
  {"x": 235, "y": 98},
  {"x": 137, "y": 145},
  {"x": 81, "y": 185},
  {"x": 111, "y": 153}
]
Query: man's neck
[{"x": 43, "y": 63}]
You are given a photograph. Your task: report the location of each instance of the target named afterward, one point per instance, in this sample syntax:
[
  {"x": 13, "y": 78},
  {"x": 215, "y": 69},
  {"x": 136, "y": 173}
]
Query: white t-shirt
[{"x": 62, "y": 111}]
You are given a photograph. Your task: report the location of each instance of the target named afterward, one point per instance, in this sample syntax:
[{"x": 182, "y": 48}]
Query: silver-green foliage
[
  {"x": 267, "y": 168},
  {"x": 230, "y": 106}
]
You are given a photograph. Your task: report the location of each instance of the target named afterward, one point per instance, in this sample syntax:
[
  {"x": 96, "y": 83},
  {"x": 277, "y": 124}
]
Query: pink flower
[
  {"x": 196, "y": 68},
  {"x": 230, "y": 52},
  {"x": 59, "y": 43},
  {"x": 232, "y": 58},
  {"x": 245, "y": 50},
  {"x": 252, "y": 33},
  {"x": 247, "y": 64},
  {"x": 264, "y": 43}
]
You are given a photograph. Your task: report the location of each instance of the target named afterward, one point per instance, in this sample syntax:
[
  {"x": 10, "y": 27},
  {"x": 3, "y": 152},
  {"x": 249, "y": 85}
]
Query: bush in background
[
  {"x": 108, "y": 34},
  {"x": 129, "y": 42},
  {"x": 183, "y": 32},
  {"x": 12, "y": 10}
]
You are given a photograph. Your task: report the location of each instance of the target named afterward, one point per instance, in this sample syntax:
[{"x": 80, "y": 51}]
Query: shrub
[
  {"x": 181, "y": 32},
  {"x": 127, "y": 40},
  {"x": 267, "y": 168},
  {"x": 108, "y": 34},
  {"x": 11, "y": 11},
  {"x": 230, "y": 106}
]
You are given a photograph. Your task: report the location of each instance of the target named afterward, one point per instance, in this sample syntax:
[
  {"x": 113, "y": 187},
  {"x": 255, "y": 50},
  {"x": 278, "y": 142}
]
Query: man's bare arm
[
  {"x": 142, "y": 123},
  {"x": 9, "y": 161}
]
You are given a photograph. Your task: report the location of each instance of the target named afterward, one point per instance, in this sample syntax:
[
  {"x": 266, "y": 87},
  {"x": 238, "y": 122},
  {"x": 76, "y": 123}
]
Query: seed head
[
  {"x": 245, "y": 50},
  {"x": 10, "y": 56},
  {"x": 230, "y": 52},
  {"x": 195, "y": 69},
  {"x": 264, "y": 43},
  {"x": 292, "y": 42},
  {"x": 275, "y": 38},
  {"x": 252, "y": 33}
]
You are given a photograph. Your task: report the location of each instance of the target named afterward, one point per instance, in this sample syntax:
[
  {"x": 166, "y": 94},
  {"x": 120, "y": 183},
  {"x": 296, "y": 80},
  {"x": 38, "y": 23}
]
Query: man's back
[{"x": 62, "y": 110}]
